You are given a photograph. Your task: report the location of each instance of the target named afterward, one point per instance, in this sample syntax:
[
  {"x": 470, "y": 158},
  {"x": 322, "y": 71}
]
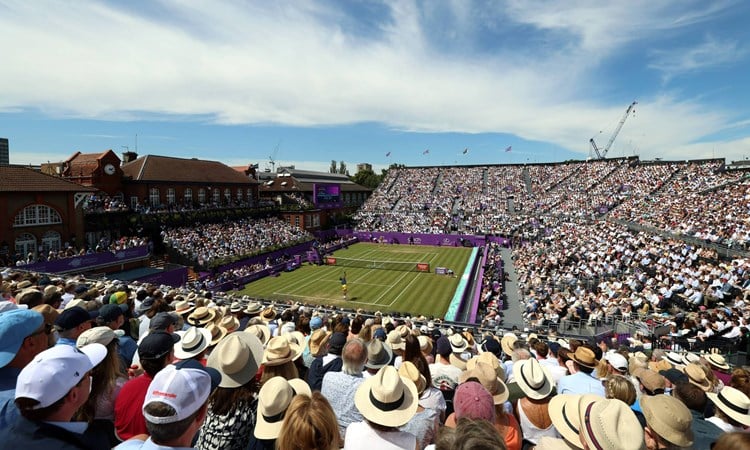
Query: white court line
[
  {"x": 394, "y": 285},
  {"x": 407, "y": 286},
  {"x": 325, "y": 299}
]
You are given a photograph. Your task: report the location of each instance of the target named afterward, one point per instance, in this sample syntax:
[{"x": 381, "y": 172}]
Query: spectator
[
  {"x": 339, "y": 387},
  {"x": 175, "y": 406},
  {"x": 705, "y": 433},
  {"x": 469, "y": 435},
  {"x": 49, "y": 390},
  {"x": 155, "y": 352},
  {"x": 386, "y": 401},
  {"x": 278, "y": 359},
  {"x": 231, "y": 415},
  {"x": 733, "y": 441},
  {"x": 609, "y": 424},
  {"x": 583, "y": 381},
  {"x": 424, "y": 424},
  {"x": 331, "y": 362},
  {"x": 113, "y": 317},
  {"x": 273, "y": 401},
  {"x": 532, "y": 410},
  {"x": 731, "y": 410},
  {"x": 668, "y": 423},
  {"x": 309, "y": 424},
  {"x": 71, "y": 323}
]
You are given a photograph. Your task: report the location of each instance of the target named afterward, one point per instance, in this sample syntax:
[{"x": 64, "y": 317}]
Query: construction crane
[{"x": 601, "y": 154}]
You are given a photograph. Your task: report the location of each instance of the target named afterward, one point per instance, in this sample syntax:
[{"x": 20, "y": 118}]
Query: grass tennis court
[{"x": 373, "y": 287}]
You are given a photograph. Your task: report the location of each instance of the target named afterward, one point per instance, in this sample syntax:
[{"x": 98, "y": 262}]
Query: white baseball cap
[
  {"x": 55, "y": 371},
  {"x": 617, "y": 360},
  {"x": 184, "y": 386}
]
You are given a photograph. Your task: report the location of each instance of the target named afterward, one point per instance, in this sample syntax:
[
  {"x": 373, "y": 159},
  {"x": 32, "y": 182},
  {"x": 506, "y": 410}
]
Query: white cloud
[
  {"x": 290, "y": 63},
  {"x": 712, "y": 52}
]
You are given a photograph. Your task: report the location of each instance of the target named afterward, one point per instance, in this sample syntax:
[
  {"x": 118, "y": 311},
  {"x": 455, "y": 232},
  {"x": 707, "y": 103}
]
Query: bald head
[{"x": 354, "y": 356}]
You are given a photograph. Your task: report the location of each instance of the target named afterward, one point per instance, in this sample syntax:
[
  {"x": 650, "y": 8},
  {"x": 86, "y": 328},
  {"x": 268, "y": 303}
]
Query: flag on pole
[
  {"x": 426, "y": 152},
  {"x": 508, "y": 149},
  {"x": 388, "y": 154},
  {"x": 466, "y": 150}
]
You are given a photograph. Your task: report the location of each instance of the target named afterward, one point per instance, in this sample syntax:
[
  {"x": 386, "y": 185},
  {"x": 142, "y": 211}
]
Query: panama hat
[
  {"x": 697, "y": 376},
  {"x": 585, "y": 357},
  {"x": 610, "y": 424},
  {"x": 280, "y": 351},
  {"x": 733, "y": 402},
  {"x": 387, "y": 399},
  {"x": 491, "y": 360},
  {"x": 318, "y": 341},
  {"x": 409, "y": 371},
  {"x": 457, "y": 362},
  {"x": 458, "y": 343},
  {"x": 668, "y": 418},
  {"x": 237, "y": 359},
  {"x": 662, "y": 364},
  {"x": 425, "y": 344},
  {"x": 260, "y": 330},
  {"x": 230, "y": 323},
  {"x": 295, "y": 337},
  {"x": 273, "y": 400},
  {"x": 688, "y": 358},
  {"x": 506, "y": 343},
  {"x": 534, "y": 380},
  {"x": 674, "y": 358},
  {"x": 395, "y": 341},
  {"x": 488, "y": 378},
  {"x": 717, "y": 361},
  {"x": 201, "y": 316},
  {"x": 183, "y": 307},
  {"x": 253, "y": 308},
  {"x": 563, "y": 411},
  {"x": 379, "y": 354},
  {"x": 651, "y": 380},
  {"x": 193, "y": 341},
  {"x": 235, "y": 307},
  {"x": 217, "y": 333},
  {"x": 268, "y": 314}
]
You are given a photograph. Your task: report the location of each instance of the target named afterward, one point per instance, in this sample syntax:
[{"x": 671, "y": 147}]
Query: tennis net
[{"x": 376, "y": 264}]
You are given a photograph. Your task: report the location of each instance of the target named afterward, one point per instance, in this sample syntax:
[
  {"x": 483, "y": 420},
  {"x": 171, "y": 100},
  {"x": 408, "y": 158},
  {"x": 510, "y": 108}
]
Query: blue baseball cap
[
  {"x": 316, "y": 322},
  {"x": 15, "y": 326}
]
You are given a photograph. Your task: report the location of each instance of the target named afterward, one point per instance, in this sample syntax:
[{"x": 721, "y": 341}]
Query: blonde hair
[
  {"x": 288, "y": 371},
  {"x": 619, "y": 387},
  {"x": 309, "y": 424}
]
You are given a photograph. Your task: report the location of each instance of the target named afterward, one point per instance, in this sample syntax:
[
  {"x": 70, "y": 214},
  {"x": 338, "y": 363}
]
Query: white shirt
[{"x": 360, "y": 435}]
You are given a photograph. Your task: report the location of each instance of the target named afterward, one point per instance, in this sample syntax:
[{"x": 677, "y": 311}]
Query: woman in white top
[{"x": 532, "y": 411}]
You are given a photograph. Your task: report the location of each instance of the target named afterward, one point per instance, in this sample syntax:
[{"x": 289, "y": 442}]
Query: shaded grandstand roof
[
  {"x": 183, "y": 170},
  {"x": 25, "y": 179},
  {"x": 302, "y": 181}
]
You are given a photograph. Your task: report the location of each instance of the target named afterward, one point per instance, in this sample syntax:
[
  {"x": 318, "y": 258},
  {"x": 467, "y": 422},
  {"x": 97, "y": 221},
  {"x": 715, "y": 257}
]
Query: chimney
[{"x": 129, "y": 156}]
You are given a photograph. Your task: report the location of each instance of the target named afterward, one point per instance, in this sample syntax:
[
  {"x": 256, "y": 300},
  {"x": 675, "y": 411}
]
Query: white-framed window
[
  {"x": 36, "y": 215},
  {"x": 217, "y": 196},
  {"x": 188, "y": 195},
  {"x": 227, "y": 195},
  {"x": 170, "y": 196},
  {"x": 134, "y": 202},
  {"x": 239, "y": 194},
  {"x": 51, "y": 242},
  {"x": 201, "y": 195},
  {"x": 153, "y": 197},
  {"x": 25, "y": 244}
]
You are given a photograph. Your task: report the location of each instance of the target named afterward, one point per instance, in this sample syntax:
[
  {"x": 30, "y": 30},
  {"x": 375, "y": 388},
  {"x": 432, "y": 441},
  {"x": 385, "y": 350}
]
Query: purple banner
[
  {"x": 86, "y": 262},
  {"x": 261, "y": 259}
]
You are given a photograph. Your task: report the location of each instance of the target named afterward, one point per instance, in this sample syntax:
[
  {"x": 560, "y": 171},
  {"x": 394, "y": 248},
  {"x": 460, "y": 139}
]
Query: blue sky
[{"x": 309, "y": 82}]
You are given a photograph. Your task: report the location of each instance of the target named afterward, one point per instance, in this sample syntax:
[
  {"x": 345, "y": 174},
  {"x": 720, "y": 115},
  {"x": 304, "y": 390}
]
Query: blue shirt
[
  {"x": 580, "y": 383},
  {"x": 8, "y": 411}
]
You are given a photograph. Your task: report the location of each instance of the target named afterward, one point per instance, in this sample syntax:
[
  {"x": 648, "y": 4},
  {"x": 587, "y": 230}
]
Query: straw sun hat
[
  {"x": 387, "y": 399},
  {"x": 318, "y": 341},
  {"x": 533, "y": 379},
  {"x": 237, "y": 358},
  {"x": 733, "y": 402},
  {"x": 273, "y": 400},
  {"x": 669, "y": 418},
  {"x": 192, "y": 342},
  {"x": 201, "y": 316},
  {"x": 280, "y": 351},
  {"x": 564, "y": 413},
  {"x": 260, "y": 330},
  {"x": 610, "y": 424},
  {"x": 488, "y": 378}
]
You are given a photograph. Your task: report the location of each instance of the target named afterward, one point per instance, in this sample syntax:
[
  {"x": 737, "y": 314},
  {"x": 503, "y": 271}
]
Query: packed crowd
[
  {"x": 589, "y": 272},
  {"x": 698, "y": 199},
  {"x": 68, "y": 250},
  {"x": 109, "y": 365},
  {"x": 207, "y": 244},
  {"x": 100, "y": 203}
]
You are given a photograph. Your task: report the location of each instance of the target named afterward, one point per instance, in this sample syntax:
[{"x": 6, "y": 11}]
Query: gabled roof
[
  {"x": 182, "y": 170},
  {"x": 24, "y": 179},
  {"x": 84, "y": 158}
]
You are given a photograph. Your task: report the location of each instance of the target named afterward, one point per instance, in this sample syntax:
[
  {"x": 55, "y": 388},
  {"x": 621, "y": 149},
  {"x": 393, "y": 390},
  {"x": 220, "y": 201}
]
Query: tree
[
  {"x": 333, "y": 167},
  {"x": 367, "y": 178},
  {"x": 342, "y": 168}
]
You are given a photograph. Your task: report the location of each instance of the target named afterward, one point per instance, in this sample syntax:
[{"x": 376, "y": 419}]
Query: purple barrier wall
[
  {"x": 175, "y": 277},
  {"x": 82, "y": 263},
  {"x": 478, "y": 291}
]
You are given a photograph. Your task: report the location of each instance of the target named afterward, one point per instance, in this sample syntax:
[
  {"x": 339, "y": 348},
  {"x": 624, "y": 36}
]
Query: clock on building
[{"x": 109, "y": 169}]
